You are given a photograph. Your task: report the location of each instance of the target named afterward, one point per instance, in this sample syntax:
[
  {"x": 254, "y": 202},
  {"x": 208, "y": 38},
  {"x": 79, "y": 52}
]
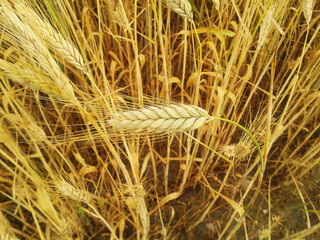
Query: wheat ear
[
  {"x": 307, "y": 9},
  {"x": 121, "y": 18},
  {"x": 173, "y": 118},
  {"x": 160, "y": 119},
  {"x": 77, "y": 194},
  {"x": 36, "y": 50},
  {"x": 182, "y": 7},
  {"x": 53, "y": 39},
  {"x": 265, "y": 26},
  {"x": 62, "y": 47},
  {"x": 36, "y": 80}
]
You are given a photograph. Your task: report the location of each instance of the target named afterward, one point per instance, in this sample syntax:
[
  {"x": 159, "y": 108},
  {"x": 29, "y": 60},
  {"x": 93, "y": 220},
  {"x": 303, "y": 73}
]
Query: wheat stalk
[
  {"x": 160, "y": 119},
  {"x": 182, "y": 7}
]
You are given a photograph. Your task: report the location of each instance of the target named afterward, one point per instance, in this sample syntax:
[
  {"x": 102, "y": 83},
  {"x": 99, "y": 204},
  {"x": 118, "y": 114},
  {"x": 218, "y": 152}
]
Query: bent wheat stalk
[{"x": 173, "y": 118}]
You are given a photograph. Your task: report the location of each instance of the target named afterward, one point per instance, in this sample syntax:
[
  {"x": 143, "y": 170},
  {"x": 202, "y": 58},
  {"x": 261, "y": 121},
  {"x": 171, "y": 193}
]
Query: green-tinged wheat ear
[
  {"x": 173, "y": 118},
  {"x": 182, "y": 7}
]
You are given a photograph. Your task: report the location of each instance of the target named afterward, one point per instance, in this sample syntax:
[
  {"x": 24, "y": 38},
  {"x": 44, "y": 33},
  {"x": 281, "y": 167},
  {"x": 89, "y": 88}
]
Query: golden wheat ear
[
  {"x": 55, "y": 41},
  {"x": 181, "y": 7},
  {"x": 173, "y": 118},
  {"x": 63, "y": 48},
  {"x": 27, "y": 41},
  {"x": 307, "y": 9}
]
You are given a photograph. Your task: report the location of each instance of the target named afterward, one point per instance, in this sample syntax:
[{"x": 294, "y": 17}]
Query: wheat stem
[{"x": 6, "y": 232}]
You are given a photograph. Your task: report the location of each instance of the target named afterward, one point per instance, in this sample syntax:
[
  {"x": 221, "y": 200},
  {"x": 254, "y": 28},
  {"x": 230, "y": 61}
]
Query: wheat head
[
  {"x": 31, "y": 78},
  {"x": 121, "y": 18},
  {"x": 265, "y": 26},
  {"x": 77, "y": 194},
  {"x": 182, "y": 7},
  {"x": 307, "y": 9},
  {"x": 54, "y": 40},
  {"x": 62, "y": 47},
  {"x": 31, "y": 45},
  {"x": 160, "y": 119}
]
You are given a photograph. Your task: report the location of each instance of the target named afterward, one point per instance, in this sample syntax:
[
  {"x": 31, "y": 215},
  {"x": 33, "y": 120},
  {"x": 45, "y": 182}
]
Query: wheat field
[{"x": 173, "y": 119}]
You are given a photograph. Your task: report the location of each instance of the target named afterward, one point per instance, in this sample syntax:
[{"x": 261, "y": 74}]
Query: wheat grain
[
  {"x": 307, "y": 9},
  {"x": 228, "y": 150},
  {"x": 36, "y": 132},
  {"x": 239, "y": 150},
  {"x": 160, "y": 119},
  {"x": 67, "y": 228},
  {"x": 30, "y": 126},
  {"x": 182, "y": 7}
]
